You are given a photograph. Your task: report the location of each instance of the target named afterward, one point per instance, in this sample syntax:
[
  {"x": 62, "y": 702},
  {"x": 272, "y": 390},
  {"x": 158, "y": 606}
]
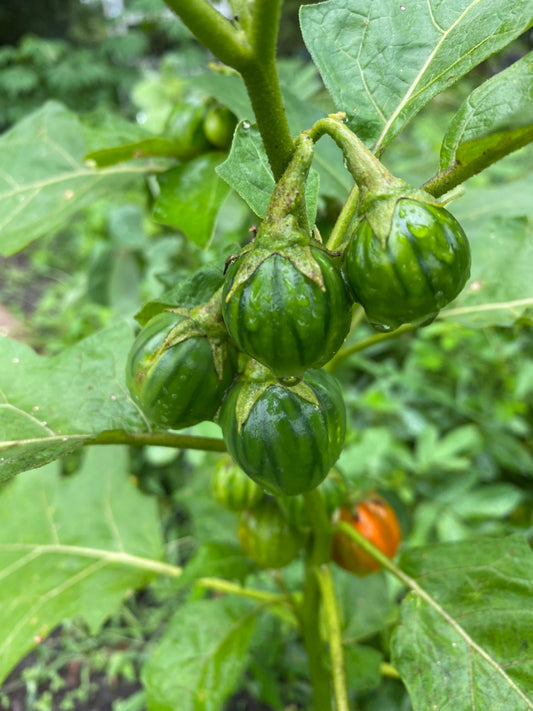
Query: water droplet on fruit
[{"x": 290, "y": 380}]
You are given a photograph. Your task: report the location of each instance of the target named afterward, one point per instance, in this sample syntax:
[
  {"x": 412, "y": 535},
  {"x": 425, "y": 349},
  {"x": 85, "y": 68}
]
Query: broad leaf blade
[
  {"x": 475, "y": 651},
  {"x": 499, "y": 246},
  {"x": 201, "y": 657},
  {"x": 154, "y": 146},
  {"x": 43, "y": 179},
  {"x": 495, "y": 117},
  {"x": 191, "y": 196},
  {"x": 50, "y": 406},
  {"x": 57, "y": 541},
  {"x": 382, "y": 62}
]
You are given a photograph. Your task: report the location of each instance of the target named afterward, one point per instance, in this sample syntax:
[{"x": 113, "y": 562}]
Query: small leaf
[
  {"x": 191, "y": 196},
  {"x": 248, "y": 172},
  {"x": 155, "y": 146},
  {"x": 497, "y": 115},
  {"x": 382, "y": 62},
  {"x": 219, "y": 560},
  {"x": 476, "y": 634},
  {"x": 200, "y": 659},
  {"x": 57, "y": 542}
]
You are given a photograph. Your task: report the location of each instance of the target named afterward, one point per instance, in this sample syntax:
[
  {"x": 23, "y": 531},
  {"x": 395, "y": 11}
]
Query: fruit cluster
[{"x": 285, "y": 308}]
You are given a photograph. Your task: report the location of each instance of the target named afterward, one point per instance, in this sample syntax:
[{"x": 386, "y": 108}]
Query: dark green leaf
[
  {"x": 473, "y": 649},
  {"x": 495, "y": 117},
  {"x": 191, "y": 196},
  {"x": 200, "y": 659},
  {"x": 383, "y": 61}
]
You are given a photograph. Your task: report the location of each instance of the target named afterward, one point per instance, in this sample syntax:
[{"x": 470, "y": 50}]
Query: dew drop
[
  {"x": 112, "y": 397},
  {"x": 381, "y": 327},
  {"x": 402, "y": 7},
  {"x": 35, "y": 408},
  {"x": 16, "y": 360},
  {"x": 246, "y": 125},
  {"x": 290, "y": 380}
]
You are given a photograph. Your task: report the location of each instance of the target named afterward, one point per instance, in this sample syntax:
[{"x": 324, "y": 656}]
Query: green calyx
[
  {"x": 203, "y": 321},
  {"x": 259, "y": 378}
]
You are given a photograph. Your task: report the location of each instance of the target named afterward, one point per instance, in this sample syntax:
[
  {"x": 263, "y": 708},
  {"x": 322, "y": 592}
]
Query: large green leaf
[
  {"x": 383, "y": 61},
  {"x": 201, "y": 657},
  {"x": 43, "y": 177},
  {"x": 191, "y": 196},
  {"x": 51, "y": 406},
  {"x": 496, "y": 117},
  {"x": 470, "y": 646},
  {"x": 71, "y": 546}
]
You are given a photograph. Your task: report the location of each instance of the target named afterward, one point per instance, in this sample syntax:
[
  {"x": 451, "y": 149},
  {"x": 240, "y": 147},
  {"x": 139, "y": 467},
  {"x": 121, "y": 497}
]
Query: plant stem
[
  {"x": 364, "y": 343},
  {"x": 316, "y": 555},
  {"x": 340, "y": 229},
  {"x": 252, "y": 56},
  {"x": 160, "y": 439},
  {"x": 457, "y": 173},
  {"x": 336, "y": 649},
  {"x": 213, "y": 30},
  {"x": 226, "y": 586}
]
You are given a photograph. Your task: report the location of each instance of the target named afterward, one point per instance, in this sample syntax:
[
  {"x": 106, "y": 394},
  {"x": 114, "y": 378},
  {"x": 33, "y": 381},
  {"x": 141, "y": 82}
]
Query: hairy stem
[{"x": 160, "y": 439}]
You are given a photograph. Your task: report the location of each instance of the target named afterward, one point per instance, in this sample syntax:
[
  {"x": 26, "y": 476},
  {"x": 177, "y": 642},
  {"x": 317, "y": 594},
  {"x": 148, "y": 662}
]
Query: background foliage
[{"x": 441, "y": 421}]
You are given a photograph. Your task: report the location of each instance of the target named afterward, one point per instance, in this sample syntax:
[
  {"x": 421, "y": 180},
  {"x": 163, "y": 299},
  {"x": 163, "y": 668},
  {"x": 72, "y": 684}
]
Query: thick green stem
[
  {"x": 211, "y": 29},
  {"x": 336, "y": 650},
  {"x": 456, "y": 174},
  {"x": 317, "y": 554},
  {"x": 160, "y": 439}
]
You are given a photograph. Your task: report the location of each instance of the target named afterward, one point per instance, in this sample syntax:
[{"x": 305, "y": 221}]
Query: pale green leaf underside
[
  {"x": 474, "y": 651},
  {"x": 68, "y": 547},
  {"x": 381, "y": 62},
  {"x": 43, "y": 179},
  {"x": 50, "y": 406},
  {"x": 500, "y": 108}
]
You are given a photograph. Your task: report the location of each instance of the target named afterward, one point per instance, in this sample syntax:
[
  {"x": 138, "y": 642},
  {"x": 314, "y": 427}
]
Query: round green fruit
[
  {"x": 332, "y": 492},
  {"x": 267, "y": 537},
  {"x": 234, "y": 489},
  {"x": 219, "y": 126},
  {"x": 421, "y": 266},
  {"x": 286, "y": 438},
  {"x": 177, "y": 385},
  {"x": 282, "y": 317},
  {"x": 185, "y": 128}
]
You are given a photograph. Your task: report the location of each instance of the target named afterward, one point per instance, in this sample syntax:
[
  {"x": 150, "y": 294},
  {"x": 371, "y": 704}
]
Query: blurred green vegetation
[{"x": 441, "y": 420}]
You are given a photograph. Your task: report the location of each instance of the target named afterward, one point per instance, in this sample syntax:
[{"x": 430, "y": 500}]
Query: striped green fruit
[
  {"x": 293, "y": 310},
  {"x": 178, "y": 384},
  {"x": 408, "y": 277},
  {"x": 286, "y": 438},
  {"x": 234, "y": 489},
  {"x": 267, "y": 537}
]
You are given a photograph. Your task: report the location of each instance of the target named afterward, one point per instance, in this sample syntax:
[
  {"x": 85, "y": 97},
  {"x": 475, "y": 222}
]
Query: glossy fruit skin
[
  {"x": 177, "y": 387},
  {"x": 333, "y": 493},
  {"x": 219, "y": 125},
  {"x": 424, "y": 264},
  {"x": 287, "y": 444},
  {"x": 282, "y": 318},
  {"x": 376, "y": 520},
  {"x": 234, "y": 489},
  {"x": 185, "y": 128},
  {"x": 267, "y": 537}
]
